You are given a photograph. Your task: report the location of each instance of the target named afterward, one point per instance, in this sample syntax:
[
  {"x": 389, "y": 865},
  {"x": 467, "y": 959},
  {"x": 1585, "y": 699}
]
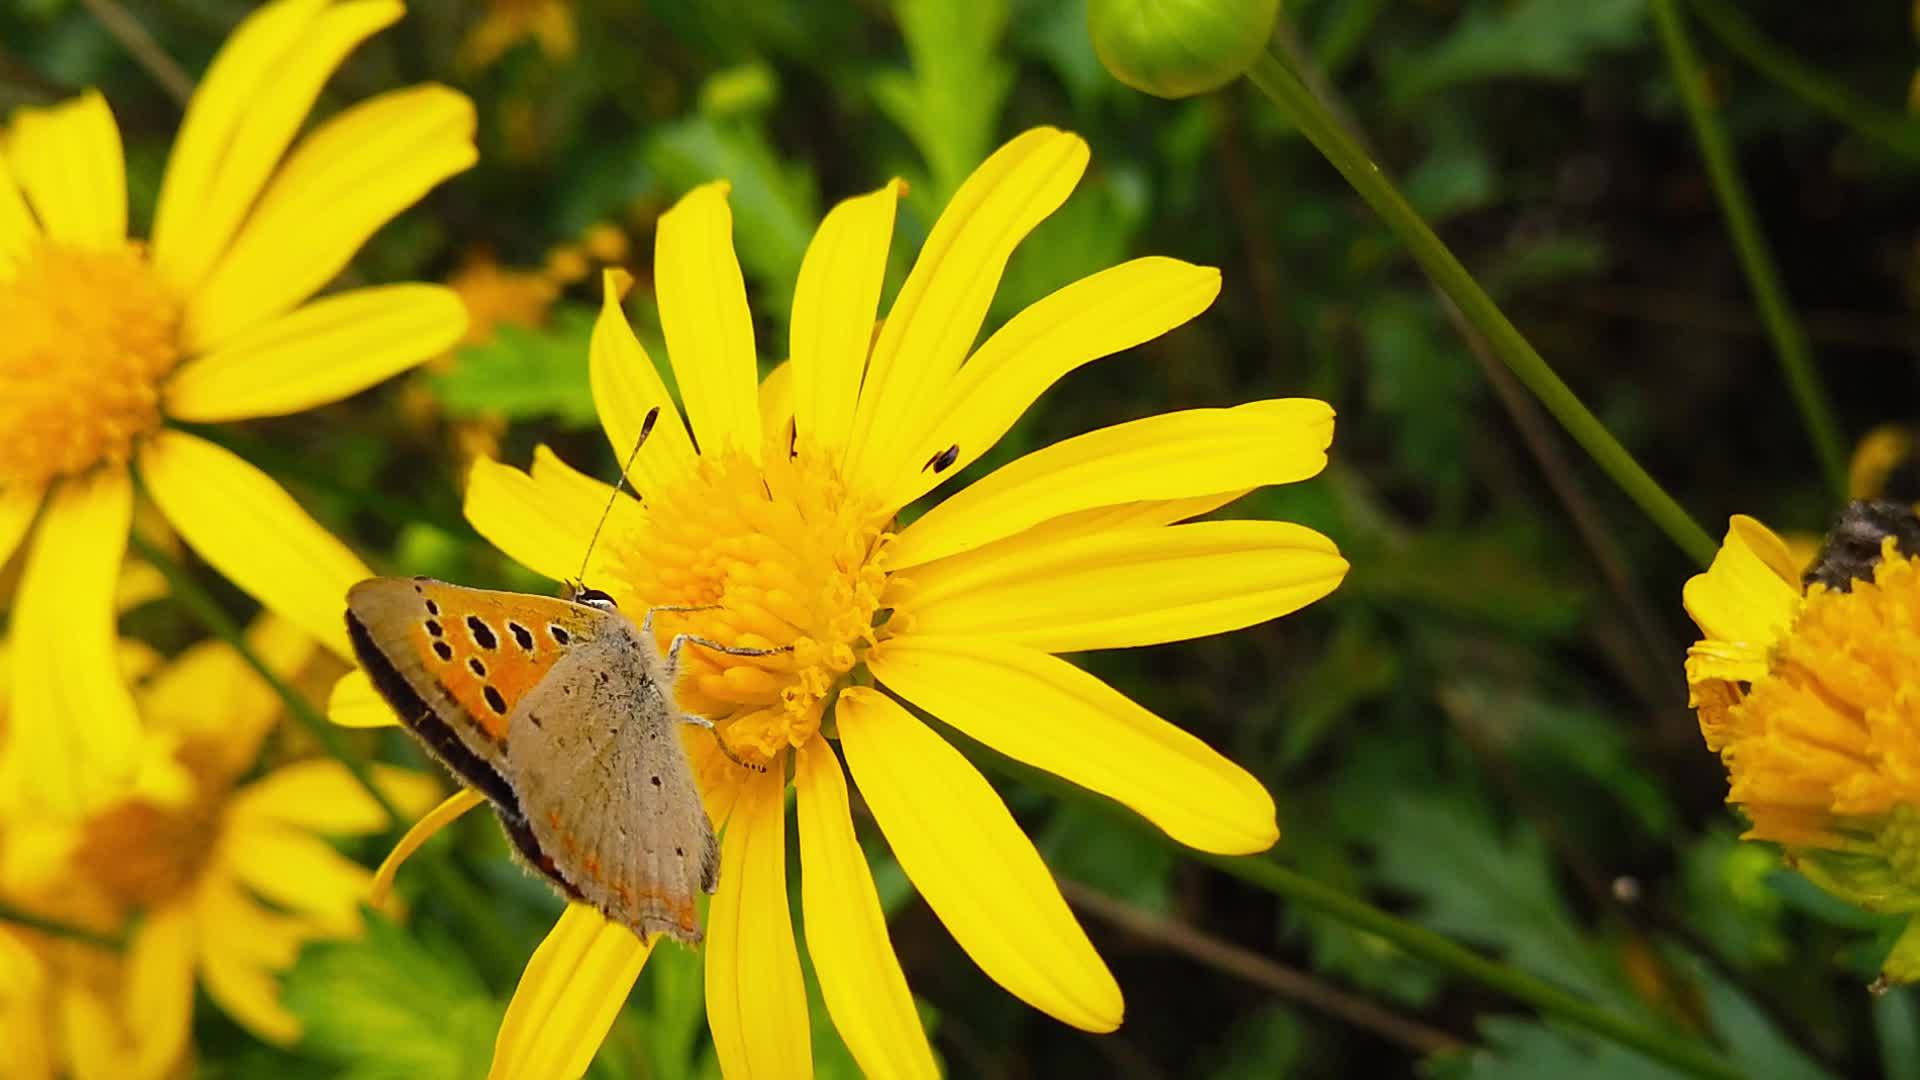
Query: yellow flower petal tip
[{"x": 615, "y": 283}]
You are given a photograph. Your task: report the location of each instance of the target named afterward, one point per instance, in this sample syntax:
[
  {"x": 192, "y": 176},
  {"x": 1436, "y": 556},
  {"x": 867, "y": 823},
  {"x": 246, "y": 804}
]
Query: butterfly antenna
[{"x": 646, "y": 428}]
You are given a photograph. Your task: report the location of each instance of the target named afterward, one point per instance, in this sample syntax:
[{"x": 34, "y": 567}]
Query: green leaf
[
  {"x": 1540, "y": 39},
  {"x": 1260, "y": 1046},
  {"x": 1479, "y": 883},
  {"x": 524, "y": 373},
  {"x": 390, "y": 1007},
  {"x": 948, "y": 100}
]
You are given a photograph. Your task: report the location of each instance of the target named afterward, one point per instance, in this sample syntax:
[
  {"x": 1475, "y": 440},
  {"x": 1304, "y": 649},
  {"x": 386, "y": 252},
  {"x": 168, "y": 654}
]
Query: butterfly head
[{"x": 594, "y": 598}]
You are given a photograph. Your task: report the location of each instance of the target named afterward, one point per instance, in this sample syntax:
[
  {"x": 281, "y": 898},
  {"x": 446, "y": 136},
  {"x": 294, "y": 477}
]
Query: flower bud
[{"x": 1177, "y": 48}]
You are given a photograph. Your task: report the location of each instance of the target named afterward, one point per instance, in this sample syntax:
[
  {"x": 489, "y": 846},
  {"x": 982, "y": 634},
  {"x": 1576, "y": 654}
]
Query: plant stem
[
  {"x": 1888, "y": 129},
  {"x": 1756, "y": 259},
  {"x": 1687, "y": 1056},
  {"x": 1311, "y": 116},
  {"x": 209, "y": 614},
  {"x": 55, "y": 928}
]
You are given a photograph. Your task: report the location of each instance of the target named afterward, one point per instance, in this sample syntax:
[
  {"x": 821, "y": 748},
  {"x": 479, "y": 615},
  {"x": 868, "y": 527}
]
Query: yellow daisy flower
[
  {"x": 108, "y": 340},
  {"x": 779, "y": 521},
  {"x": 1811, "y": 696},
  {"x": 228, "y": 880},
  {"x": 509, "y": 22}
]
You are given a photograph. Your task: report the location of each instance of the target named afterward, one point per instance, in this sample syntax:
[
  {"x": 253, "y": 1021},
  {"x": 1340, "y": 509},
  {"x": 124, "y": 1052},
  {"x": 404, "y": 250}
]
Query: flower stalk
[
  {"x": 1316, "y": 122},
  {"x": 1783, "y": 326}
]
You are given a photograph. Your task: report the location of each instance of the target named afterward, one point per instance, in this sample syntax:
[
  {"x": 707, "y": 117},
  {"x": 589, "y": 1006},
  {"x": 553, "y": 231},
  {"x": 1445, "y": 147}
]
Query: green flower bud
[{"x": 1178, "y": 48}]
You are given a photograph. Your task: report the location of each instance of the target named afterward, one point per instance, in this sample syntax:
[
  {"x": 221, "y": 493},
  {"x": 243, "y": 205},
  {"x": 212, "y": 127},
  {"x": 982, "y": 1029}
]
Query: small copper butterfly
[{"x": 562, "y": 713}]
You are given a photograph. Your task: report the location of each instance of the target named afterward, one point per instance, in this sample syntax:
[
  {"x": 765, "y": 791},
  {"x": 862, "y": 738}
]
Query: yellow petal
[
  {"x": 626, "y": 386},
  {"x": 247, "y": 527},
  {"x": 251, "y": 101},
  {"x": 776, "y": 405},
  {"x": 17, "y": 507},
  {"x": 95, "y": 1044},
  {"x": 175, "y": 699},
  {"x": 24, "y": 1044},
  {"x": 1097, "y": 316},
  {"x": 436, "y": 819},
  {"x": 970, "y": 861},
  {"x": 323, "y": 796},
  {"x": 67, "y": 159},
  {"x": 934, "y": 320},
  {"x": 344, "y": 181},
  {"x": 251, "y": 931},
  {"x": 245, "y": 989},
  {"x": 835, "y": 303},
  {"x": 1044, "y": 711},
  {"x": 1749, "y": 596},
  {"x": 545, "y": 521},
  {"x": 568, "y": 997},
  {"x": 298, "y": 871},
  {"x": 708, "y": 327},
  {"x": 1163, "y": 457},
  {"x": 355, "y": 703},
  {"x": 860, "y": 976},
  {"x": 318, "y": 354},
  {"x": 756, "y": 1001},
  {"x": 158, "y": 993},
  {"x": 18, "y": 230},
  {"x": 1125, "y": 587},
  {"x": 73, "y": 731}
]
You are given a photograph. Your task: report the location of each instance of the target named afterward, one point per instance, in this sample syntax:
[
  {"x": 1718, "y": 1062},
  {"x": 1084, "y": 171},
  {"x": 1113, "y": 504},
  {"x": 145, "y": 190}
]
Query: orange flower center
[
  {"x": 1833, "y": 730},
  {"x": 89, "y": 335},
  {"x": 783, "y": 557},
  {"x": 145, "y": 853}
]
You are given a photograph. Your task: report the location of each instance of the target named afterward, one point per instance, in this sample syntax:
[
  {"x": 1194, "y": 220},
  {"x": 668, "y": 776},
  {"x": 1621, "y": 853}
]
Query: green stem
[
  {"x": 56, "y": 928},
  {"x": 1891, "y": 130},
  {"x": 1756, "y": 259},
  {"x": 1314, "y": 120},
  {"x": 210, "y": 615},
  {"x": 1687, "y": 1056}
]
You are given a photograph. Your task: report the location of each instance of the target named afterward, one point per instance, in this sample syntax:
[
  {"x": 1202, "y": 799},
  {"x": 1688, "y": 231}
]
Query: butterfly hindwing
[{"x": 605, "y": 785}]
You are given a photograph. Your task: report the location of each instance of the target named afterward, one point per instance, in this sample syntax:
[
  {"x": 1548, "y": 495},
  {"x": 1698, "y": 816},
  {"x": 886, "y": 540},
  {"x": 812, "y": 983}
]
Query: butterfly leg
[{"x": 701, "y": 721}]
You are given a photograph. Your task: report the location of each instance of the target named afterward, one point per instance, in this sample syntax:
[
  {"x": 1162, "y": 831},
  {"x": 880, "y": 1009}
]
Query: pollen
[
  {"x": 89, "y": 336},
  {"x": 780, "y": 556},
  {"x": 1828, "y": 742}
]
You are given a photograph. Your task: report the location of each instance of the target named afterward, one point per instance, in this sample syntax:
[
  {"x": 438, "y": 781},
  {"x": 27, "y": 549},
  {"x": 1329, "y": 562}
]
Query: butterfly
[{"x": 561, "y": 712}]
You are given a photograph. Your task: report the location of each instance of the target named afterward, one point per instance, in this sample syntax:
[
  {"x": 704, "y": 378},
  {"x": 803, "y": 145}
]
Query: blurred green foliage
[{"x": 1484, "y": 730}]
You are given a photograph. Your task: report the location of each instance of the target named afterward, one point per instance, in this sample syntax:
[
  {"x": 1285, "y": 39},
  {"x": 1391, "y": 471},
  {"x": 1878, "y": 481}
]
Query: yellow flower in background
[
  {"x": 783, "y": 520},
  {"x": 108, "y": 339},
  {"x": 1811, "y": 696},
  {"x": 496, "y": 296},
  {"x": 509, "y": 22},
  {"x": 1882, "y": 457},
  {"x": 218, "y": 884}
]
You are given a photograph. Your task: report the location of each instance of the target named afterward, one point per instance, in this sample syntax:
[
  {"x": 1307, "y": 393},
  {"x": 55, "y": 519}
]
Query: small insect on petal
[{"x": 943, "y": 460}]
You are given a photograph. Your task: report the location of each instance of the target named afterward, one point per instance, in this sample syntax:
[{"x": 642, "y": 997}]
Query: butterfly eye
[{"x": 594, "y": 598}]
